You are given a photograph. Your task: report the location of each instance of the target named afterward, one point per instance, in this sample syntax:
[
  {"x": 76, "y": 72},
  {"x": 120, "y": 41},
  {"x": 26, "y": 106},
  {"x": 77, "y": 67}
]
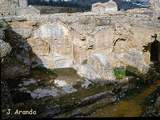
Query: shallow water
[{"x": 131, "y": 106}]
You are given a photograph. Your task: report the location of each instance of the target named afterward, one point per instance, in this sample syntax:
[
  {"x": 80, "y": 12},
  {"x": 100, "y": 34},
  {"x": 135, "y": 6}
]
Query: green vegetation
[{"x": 120, "y": 73}]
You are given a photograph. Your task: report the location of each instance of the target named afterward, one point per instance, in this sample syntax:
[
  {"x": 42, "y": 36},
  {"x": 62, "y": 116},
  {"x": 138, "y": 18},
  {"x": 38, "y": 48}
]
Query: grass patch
[{"x": 120, "y": 73}]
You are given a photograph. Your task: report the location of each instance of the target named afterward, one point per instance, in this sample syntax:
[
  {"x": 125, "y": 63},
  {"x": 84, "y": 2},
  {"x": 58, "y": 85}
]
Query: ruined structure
[
  {"x": 108, "y": 7},
  {"x": 91, "y": 44},
  {"x": 49, "y": 57}
]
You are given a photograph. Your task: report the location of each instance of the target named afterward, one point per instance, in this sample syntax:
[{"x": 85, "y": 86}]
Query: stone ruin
[
  {"x": 92, "y": 44},
  {"x": 107, "y": 7}
]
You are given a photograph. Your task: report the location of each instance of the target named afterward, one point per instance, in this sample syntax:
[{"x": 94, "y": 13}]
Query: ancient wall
[
  {"x": 107, "y": 7},
  {"x": 92, "y": 44}
]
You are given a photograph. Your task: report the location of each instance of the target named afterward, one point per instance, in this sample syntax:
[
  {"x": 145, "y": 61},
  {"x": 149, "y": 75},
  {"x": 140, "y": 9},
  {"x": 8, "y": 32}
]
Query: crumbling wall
[
  {"x": 108, "y": 7},
  {"x": 64, "y": 40}
]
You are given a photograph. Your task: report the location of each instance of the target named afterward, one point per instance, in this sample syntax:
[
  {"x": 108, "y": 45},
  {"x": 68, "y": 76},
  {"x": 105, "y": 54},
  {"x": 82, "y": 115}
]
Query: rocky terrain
[{"x": 66, "y": 63}]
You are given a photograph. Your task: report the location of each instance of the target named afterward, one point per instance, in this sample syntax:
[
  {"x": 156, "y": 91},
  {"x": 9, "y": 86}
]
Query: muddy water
[{"x": 129, "y": 107}]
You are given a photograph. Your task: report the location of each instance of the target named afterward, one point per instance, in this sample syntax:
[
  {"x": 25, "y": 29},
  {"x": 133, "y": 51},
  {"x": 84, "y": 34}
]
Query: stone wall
[
  {"x": 90, "y": 43},
  {"x": 108, "y": 7}
]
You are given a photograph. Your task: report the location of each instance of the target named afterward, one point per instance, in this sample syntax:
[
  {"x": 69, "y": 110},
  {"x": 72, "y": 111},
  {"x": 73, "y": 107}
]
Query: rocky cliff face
[{"x": 88, "y": 42}]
